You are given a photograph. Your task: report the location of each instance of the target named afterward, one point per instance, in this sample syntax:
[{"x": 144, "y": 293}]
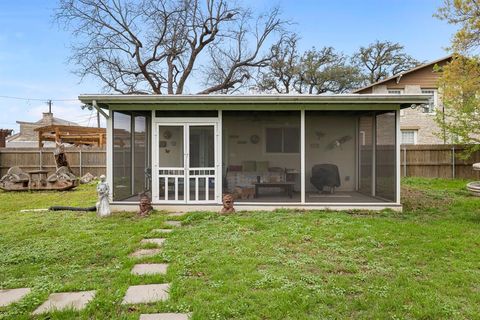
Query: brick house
[{"x": 418, "y": 126}]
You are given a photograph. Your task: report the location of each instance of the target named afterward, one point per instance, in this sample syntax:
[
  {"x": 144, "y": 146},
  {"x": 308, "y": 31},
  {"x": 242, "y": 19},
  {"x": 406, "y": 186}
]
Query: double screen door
[{"x": 186, "y": 162}]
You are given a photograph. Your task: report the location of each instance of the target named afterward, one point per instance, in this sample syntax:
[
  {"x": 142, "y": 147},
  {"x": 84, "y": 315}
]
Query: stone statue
[
  {"x": 227, "y": 204},
  {"x": 145, "y": 205},
  {"x": 103, "y": 207}
]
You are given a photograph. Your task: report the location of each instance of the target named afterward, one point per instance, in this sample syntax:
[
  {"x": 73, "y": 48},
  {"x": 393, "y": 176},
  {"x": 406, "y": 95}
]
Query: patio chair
[{"x": 325, "y": 175}]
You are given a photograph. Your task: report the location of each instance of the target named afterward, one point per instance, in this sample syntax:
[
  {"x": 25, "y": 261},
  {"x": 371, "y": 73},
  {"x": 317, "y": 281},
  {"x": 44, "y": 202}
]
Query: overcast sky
[{"x": 34, "y": 51}]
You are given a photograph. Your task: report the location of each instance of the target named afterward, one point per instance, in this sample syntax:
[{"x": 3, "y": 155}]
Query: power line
[{"x": 35, "y": 99}]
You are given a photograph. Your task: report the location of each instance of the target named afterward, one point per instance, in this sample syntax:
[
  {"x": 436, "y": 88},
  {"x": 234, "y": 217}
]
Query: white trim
[
  {"x": 397, "y": 160},
  {"x": 374, "y": 154},
  {"x": 109, "y": 152},
  {"x": 124, "y": 206},
  {"x": 302, "y": 156},
  {"x": 219, "y": 158}
]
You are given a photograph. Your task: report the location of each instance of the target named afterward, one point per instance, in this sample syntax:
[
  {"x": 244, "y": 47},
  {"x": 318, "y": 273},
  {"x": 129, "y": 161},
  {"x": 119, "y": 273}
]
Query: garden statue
[
  {"x": 145, "y": 205},
  {"x": 227, "y": 204},
  {"x": 103, "y": 207}
]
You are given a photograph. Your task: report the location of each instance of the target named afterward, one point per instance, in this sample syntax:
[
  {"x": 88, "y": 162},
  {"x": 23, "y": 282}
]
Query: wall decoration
[
  {"x": 241, "y": 142},
  {"x": 338, "y": 143},
  {"x": 163, "y": 144},
  {"x": 167, "y": 134},
  {"x": 314, "y": 145},
  {"x": 254, "y": 139},
  {"x": 319, "y": 134},
  {"x": 234, "y": 136},
  {"x": 173, "y": 143}
]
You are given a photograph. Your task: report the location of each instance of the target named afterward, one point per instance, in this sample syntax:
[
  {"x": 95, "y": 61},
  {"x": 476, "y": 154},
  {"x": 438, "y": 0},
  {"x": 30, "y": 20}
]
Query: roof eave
[{"x": 105, "y": 100}]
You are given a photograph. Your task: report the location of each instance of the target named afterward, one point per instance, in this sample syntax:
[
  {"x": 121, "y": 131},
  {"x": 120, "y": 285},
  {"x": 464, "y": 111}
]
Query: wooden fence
[
  {"x": 81, "y": 160},
  {"x": 431, "y": 161},
  {"x": 437, "y": 161}
]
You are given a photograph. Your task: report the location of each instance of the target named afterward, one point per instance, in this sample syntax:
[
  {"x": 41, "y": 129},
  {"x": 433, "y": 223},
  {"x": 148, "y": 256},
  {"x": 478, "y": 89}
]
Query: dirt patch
[{"x": 414, "y": 199}]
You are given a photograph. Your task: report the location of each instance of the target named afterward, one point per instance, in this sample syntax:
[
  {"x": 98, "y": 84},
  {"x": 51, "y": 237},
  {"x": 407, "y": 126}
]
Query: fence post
[
  {"x": 404, "y": 161},
  {"x": 453, "y": 162},
  {"x": 80, "y": 164},
  {"x": 40, "y": 163}
]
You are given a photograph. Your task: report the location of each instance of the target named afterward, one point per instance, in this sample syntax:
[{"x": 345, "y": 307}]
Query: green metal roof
[{"x": 256, "y": 102}]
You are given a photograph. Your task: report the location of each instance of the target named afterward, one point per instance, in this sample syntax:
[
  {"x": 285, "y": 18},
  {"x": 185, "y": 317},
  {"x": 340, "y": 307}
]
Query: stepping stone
[
  {"x": 165, "y": 316},
  {"x": 9, "y": 296},
  {"x": 162, "y": 230},
  {"x": 150, "y": 268},
  {"x": 146, "y": 293},
  {"x": 157, "y": 241},
  {"x": 141, "y": 253},
  {"x": 173, "y": 223},
  {"x": 176, "y": 214},
  {"x": 66, "y": 300}
]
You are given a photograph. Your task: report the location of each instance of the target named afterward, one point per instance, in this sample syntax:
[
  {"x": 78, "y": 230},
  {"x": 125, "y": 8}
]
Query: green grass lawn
[{"x": 423, "y": 263}]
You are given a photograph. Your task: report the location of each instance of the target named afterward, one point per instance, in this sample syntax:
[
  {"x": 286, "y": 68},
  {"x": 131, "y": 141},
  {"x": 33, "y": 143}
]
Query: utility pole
[
  {"x": 98, "y": 119},
  {"x": 49, "y": 102}
]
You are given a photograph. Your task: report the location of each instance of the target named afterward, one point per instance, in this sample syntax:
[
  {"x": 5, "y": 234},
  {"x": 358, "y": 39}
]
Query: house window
[
  {"x": 433, "y": 102},
  {"x": 282, "y": 140},
  {"x": 409, "y": 136},
  {"x": 395, "y": 91}
]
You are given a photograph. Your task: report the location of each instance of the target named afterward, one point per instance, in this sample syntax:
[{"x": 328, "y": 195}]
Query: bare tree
[
  {"x": 382, "y": 59},
  {"x": 155, "y": 46}
]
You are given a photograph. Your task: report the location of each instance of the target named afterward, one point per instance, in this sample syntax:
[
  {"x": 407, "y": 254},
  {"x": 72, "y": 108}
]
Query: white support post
[
  {"x": 219, "y": 157},
  {"x": 154, "y": 159},
  {"x": 374, "y": 154},
  {"x": 109, "y": 153},
  {"x": 302, "y": 156},
  {"x": 398, "y": 155}
]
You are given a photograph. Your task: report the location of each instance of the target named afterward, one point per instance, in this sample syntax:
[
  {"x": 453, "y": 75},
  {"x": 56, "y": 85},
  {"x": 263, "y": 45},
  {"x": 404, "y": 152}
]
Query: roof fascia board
[{"x": 258, "y": 107}]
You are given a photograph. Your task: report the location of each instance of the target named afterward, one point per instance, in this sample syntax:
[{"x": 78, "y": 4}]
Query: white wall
[
  {"x": 320, "y": 132},
  {"x": 238, "y": 147}
]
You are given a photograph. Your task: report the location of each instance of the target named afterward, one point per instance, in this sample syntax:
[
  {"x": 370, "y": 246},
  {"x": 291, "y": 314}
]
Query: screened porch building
[{"x": 269, "y": 151}]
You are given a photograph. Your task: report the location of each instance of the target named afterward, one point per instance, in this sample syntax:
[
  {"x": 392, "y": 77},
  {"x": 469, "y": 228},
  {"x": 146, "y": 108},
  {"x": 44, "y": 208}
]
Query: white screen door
[{"x": 186, "y": 162}]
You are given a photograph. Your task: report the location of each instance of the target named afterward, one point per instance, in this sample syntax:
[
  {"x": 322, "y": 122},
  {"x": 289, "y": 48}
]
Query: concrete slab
[
  {"x": 156, "y": 241},
  {"x": 66, "y": 300},
  {"x": 142, "y": 253},
  {"x": 146, "y": 293},
  {"x": 149, "y": 268},
  {"x": 9, "y": 296},
  {"x": 165, "y": 316},
  {"x": 162, "y": 230},
  {"x": 173, "y": 223}
]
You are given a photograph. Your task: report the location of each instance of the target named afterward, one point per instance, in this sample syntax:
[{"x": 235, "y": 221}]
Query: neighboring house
[
  {"x": 28, "y": 137},
  {"x": 418, "y": 126},
  {"x": 4, "y": 133},
  {"x": 270, "y": 151}
]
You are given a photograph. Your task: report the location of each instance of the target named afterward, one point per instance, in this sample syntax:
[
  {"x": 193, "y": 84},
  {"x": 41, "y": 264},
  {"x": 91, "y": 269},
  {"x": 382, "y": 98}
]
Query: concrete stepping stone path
[
  {"x": 9, "y": 296},
  {"x": 162, "y": 230},
  {"x": 156, "y": 241},
  {"x": 173, "y": 223},
  {"x": 146, "y": 293},
  {"x": 149, "y": 269},
  {"x": 165, "y": 316},
  {"x": 176, "y": 214},
  {"x": 66, "y": 300},
  {"x": 144, "y": 253}
]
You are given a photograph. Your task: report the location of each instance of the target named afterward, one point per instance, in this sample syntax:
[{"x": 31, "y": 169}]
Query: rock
[{"x": 87, "y": 178}]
